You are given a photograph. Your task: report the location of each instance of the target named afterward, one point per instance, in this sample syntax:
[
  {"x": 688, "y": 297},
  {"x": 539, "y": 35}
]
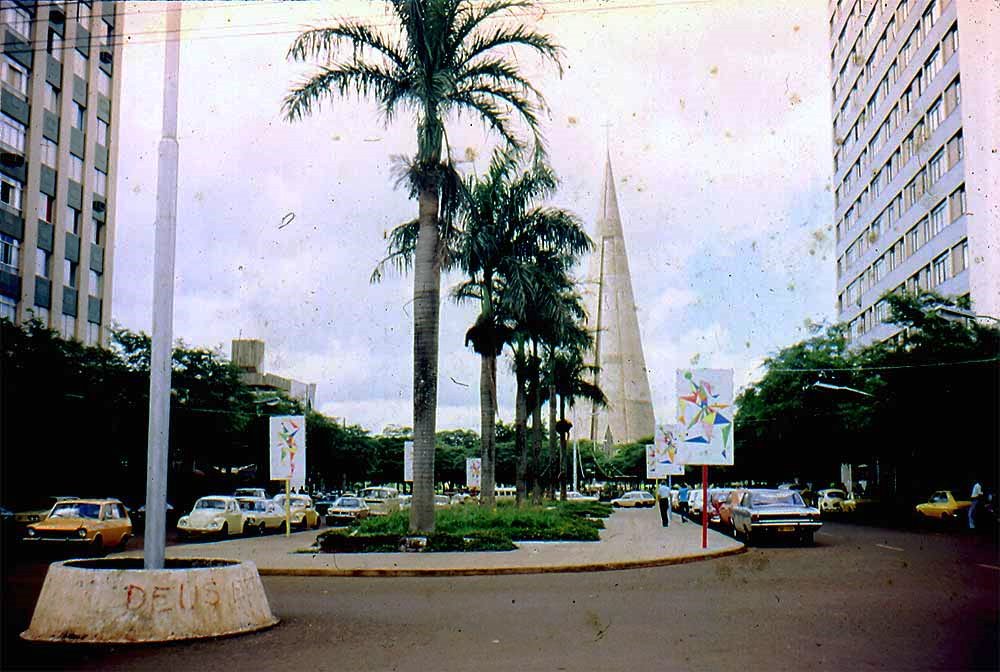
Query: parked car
[
  {"x": 574, "y": 496},
  {"x": 461, "y": 498},
  {"x": 381, "y": 500},
  {"x": 775, "y": 512},
  {"x": 260, "y": 515},
  {"x": 943, "y": 505},
  {"x": 404, "y": 502},
  {"x": 97, "y": 523},
  {"x": 716, "y": 498},
  {"x": 726, "y": 508},
  {"x": 139, "y": 516},
  {"x": 857, "y": 503},
  {"x": 808, "y": 496},
  {"x": 634, "y": 499},
  {"x": 830, "y": 500},
  {"x": 695, "y": 502},
  {"x": 250, "y": 492},
  {"x": 215, "y": 515},
  {"x": 37, "y": 511},
  {"x": 347, "y": 510},
  {"x": 442, "y": 501},
  {"x": 323, "y": 501},
  {"x": 303, "y": 513}
]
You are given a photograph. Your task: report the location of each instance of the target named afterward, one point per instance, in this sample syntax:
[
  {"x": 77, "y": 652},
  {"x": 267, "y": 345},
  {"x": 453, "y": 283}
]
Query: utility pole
[{"x": 157, "y": 465}]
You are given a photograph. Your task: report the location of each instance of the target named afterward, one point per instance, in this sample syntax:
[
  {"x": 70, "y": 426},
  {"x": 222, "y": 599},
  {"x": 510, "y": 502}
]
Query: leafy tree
[{"x": 448, "y": 56}]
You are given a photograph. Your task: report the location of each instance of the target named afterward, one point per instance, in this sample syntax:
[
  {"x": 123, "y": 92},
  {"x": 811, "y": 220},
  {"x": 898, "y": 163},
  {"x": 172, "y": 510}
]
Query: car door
[{"x": 234, "y": 517}]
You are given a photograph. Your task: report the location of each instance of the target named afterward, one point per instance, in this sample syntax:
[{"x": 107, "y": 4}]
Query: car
[
  {"x": 139, "y": 516},
  {"x": 634, "y": 499},
  {"x": 37, "y": 511},
  {"x": 808, "y": 496},
  {"x": 323, "y": 501},
  {"x": 404, "y": 502},
  {"x": 943, "y": 505},
  {"x": 461, "y": 498},
  {"x": 857, "y": 503},
  {"x": 716, "y": 498},
  {"x": 442, "y": 501},
  {"x": 250, "y": 492},
  {"x": 694, "y": 502},
  {"x": 830, "y": 500},
  {"x": 347, "y": 510},
  {"x": 260, "y": 515},
  {"x": 302, "y": 511},
  {"x": 97, "y": 523},
  {"x": 726, "y": 508},
  {"x": 381, "y": 500},
  {"x": 214, "y": 515},
  {"x": 774, "y": 512},
  {"x": 574, "y": 496}
]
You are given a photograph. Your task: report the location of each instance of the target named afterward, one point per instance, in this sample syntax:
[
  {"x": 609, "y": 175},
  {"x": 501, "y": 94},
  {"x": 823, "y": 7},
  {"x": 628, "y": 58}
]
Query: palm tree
[
  {"x": 443, "y": 59},
  {"x": 503, "y": 230},
  {"x": 571, "y": 377}
]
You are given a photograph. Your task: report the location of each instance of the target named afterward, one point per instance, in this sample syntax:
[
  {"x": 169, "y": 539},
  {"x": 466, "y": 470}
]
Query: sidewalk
[{"x": 631, "y": 539}]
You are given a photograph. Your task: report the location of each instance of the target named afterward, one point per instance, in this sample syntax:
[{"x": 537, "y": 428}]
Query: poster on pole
[
  {"x": 705, "y": 416},
  {"x": 408, "y": 461},
  {"x": 665, "y": 447},
  {"x": 287, "y": 440},
  {"x": 474, "y": 473}
]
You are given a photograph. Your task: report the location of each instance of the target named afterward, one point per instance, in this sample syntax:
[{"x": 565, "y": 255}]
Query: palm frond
[
  {"x": 325, "y": 43},
  {"x": 401, "y": 246},
  {"x": 359, "y": 77}
]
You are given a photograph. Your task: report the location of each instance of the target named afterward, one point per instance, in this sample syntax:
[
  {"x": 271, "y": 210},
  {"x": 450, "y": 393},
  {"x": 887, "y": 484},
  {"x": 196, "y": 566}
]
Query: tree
[
  {"x": 502, "y": 229},
  {"x": 445, "y": 58}
]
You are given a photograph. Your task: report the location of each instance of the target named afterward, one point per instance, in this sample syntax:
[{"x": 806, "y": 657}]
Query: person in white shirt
[
  {"x": 663, "y": 495},
  {"x": 977, "y": 494}
]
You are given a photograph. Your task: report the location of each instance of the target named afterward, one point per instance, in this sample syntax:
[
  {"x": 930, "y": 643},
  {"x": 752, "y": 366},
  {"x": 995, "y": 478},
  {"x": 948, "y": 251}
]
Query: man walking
[
  {"x": 977, "y": 494},
  {"x": 682, "y": 501},
  {"x": 663, "y": 495}
]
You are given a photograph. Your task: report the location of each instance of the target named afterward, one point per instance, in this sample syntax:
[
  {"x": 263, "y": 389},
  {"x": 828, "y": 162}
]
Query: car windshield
[
  {"x": 210, "y": 504},
  {"x": 939, "y": 497},
  {"x": 840, "y": 494},
  {"x": 76, "y": 510},
  {"x": 251, "y": 505},
  {"x": 348, "y": 503},
  {"x": 783, "y": 498}
]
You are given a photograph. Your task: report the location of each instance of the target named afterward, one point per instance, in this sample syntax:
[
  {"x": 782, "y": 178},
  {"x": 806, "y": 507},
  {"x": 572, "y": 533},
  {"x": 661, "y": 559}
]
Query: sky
[{"x": 716, "y": 116}]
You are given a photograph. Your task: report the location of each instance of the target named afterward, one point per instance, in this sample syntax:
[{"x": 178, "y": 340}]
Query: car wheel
[
  {"x": 98, "y": 545},
  {"x": 318, "y": 523},
  {"x": 247, "y": 528},
  {"x": 747, "y": 536},
  {"x": 284, "y": 527},
  {"x": 124, "y": 542},
  {"x": 262, "y": 530},
  {"x": 224, "y": 532}
]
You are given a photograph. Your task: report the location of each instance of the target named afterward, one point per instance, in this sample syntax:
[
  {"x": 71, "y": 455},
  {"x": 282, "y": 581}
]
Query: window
[
  {"x": 17, "y": 19},
  {"x": 8, "y": 308},
  {"x": 940, "y": 269},
  {"x": 10, "y": 254},
  {"x": 935, "y": 168},
  {"x": 950, "y": 43},
  {"x": 96, "y": 284},
  {"x": 72, "y": 222},
  {"x": 100, "y": 182},
  {"x": 960, "y": 257},
  {"x": 912, "y": 241},
  {"x": 906, "y": 100},
  {"x": 103, "y": 135},
  {"x": 104, "y": 83},
  {"x": 51, "y": 98},
  {"x": 43, "y": 263},
  {"x": 49, "y": 152},
  {"x": 910, "y": 192},
  {"x": 882, "y": 311},
  {"x": 878, "y": 270},
  {"x": 70, "y": 271},
  {"x": 83, "y": 13},
  {"x": 12, "y": 133},
  {"x": 952, "y": 96},
  {"x": 931, "y": 14},
  {"x": 935, "y": 115},
  {"x": 956, "y": 150},
  {"x": 932, "y": 65},
  {"x": 80, "y": 64},
  {"x": 68, "y": 327},
  {"x": 93, "y": 338},
  {"x": 938, "y": 220},
  {"x": 54, "y": 45},
  {"x": 10, "y": 193},
  {"x": 46, "y": 208},
  {"x": 96, "y": 232},
  {"x": 76, "y": 168},
  {"x": 42, "y": 315},
  {"x": 79, "y": 116},
  {"x": 957, "y": 203},
  {"x": 15, "y": 77},
  {"x": 891, "y": 258}
]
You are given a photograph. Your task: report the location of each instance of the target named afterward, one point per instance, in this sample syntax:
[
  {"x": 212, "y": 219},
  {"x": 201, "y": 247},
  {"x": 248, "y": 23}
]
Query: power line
[{"x": 887, "y": 367}]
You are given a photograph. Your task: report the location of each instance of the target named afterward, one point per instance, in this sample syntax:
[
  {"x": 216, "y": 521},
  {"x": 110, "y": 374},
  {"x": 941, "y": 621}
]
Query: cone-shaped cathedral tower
[{"x": 611, "y": 315}]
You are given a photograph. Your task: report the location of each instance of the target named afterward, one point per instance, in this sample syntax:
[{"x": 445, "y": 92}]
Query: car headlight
[
  {"x": 217, "y": 522},
  {"x": 82, "y": 533},
  {"x": 31, "y": 532}
]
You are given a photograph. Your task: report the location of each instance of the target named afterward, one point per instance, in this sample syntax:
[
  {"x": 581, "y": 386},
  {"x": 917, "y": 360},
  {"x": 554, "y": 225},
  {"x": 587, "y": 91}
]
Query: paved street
[{"x": 862, "y": 598}]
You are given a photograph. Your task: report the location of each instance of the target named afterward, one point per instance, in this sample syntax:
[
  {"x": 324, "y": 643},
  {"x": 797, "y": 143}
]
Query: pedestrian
[
  {"x": 977, "y": 494},
  {"x": 663, "y": 494},
  {"x": 682, "y": 502}
]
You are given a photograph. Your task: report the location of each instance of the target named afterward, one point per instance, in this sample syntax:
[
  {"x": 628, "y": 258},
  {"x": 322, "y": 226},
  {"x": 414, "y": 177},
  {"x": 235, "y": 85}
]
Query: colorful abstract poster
[
  {"x": 665, "y": 443},
  {"x": 705, "y": 416},
  {"x": 287, "y": 440},
  {"x": 474, "y": 473},
  {"x": 408, "y": 461}
]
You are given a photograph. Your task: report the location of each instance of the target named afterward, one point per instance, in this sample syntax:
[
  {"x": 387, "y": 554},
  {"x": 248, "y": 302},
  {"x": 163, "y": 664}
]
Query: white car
[
  {"x": 260, "y": 515},
  {"x": 574, "y": 496},
  {"x": 381, "y": 500},
  {"x": 830, "y": 500},
  {"x": 695, "y": 501},
  {"x": 214, "y": 515},
  {"x": 634, "y": 499}
]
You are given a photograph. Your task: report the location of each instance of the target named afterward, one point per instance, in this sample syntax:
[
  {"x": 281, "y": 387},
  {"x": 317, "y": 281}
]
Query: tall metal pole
[{"x": 163, "y": 303}]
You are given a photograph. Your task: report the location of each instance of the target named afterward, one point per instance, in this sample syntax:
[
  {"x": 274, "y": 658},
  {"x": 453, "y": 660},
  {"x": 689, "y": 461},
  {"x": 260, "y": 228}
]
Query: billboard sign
[
  {"x": 408, "y": 461},
  {"x": 705, "y": 416},
  {"x": 287, "y": 441},
  {"x": 474, "y": 473}
]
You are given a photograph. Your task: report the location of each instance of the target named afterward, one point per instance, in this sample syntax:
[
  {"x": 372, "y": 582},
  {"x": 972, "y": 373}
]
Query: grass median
[{"x": 472, "y": 528}]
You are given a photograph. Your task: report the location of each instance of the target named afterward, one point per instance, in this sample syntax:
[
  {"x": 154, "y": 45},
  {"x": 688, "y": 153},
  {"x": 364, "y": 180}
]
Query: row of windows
[
  {"x": 12, "y": 191},
  {"x": 947, "y": 265},
  {"x": 921, "y": 233}
]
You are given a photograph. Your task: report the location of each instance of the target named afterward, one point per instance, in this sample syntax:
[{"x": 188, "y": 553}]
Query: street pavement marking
[
  {"x": 989, "y": 567},
  {"x": 890, "y": 548}
]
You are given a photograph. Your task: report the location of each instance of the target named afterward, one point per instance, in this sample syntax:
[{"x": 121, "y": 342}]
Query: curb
[{"x": 497, "y": 571}]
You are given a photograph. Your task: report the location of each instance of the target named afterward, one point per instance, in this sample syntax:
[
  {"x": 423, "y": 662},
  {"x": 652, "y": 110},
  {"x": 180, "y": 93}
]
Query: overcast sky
[{"x": 719, "y": 126}]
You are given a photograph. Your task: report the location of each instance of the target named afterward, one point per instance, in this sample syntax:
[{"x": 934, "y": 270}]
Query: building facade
[
  {"x": 248, "y": 356},
  {"x": 611, "y": 316},
  {"x": 915, "y": 110},
  {"x": 59, "y": 111}
]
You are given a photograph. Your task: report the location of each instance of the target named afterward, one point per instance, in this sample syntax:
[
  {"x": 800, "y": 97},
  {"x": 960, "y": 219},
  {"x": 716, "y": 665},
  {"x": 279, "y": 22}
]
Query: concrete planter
[{"x": 115, "y": 600}]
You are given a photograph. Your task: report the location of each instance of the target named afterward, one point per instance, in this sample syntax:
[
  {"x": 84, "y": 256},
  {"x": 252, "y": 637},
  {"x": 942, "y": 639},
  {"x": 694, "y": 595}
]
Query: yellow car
[
  {"x": 303, "y": 512},
  {"x": 943, "y": 505},
  {"x": 97, "y": 523},
  {"x": 216, "y": 515}
]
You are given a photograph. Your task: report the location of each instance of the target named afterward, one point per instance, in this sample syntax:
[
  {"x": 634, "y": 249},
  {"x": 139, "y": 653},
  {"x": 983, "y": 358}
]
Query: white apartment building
[{"x": 916, "y": 169}]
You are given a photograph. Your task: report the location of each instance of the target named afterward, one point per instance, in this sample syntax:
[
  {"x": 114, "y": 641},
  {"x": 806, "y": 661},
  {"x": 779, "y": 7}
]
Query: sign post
[
  {"x": 287, "y": 441},
  {"x": 705, "y": 416}
]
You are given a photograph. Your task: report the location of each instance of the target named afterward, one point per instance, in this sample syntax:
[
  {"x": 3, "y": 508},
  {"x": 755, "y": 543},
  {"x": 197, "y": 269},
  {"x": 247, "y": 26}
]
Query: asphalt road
[{"x": 861, "y": 598}]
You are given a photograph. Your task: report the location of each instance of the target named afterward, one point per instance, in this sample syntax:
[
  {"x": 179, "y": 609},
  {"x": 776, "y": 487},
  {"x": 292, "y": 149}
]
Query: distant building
[
  {"x": 59, "y": 119},
  {"x": 248, "y": 356},
  {"x": 917, "y": 176}
]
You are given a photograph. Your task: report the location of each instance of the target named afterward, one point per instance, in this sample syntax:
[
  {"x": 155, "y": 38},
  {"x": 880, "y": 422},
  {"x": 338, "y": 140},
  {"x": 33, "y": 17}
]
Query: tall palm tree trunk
[
  {"x": 563, "y": 458},
  {"x": 488, "y": 414},
  {"x": 536, "y": 429},
  {"x": 552, "y": 431},
  {"x": 426, "y": 310},
  {"x": 520, "y": 425}
]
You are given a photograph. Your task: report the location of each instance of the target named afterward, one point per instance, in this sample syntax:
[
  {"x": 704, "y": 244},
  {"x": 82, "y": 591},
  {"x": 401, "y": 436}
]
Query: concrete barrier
[{"x": 115, "y": 600}]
